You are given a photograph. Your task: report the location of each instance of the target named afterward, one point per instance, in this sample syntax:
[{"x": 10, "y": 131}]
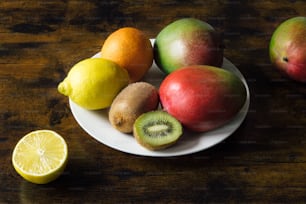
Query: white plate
[{"x": 96, "y": 124}]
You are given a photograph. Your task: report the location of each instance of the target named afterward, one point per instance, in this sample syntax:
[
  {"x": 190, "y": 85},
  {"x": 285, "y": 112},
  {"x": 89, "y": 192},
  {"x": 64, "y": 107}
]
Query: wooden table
[{"x": 264, "y": 161}]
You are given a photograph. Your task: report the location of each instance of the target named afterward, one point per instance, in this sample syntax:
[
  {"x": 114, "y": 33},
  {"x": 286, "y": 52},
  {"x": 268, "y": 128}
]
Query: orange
[{"x": 131, "y": 49}]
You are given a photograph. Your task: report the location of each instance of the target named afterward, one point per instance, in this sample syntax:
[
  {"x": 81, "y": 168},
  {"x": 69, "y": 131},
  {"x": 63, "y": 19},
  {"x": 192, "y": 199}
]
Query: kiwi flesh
[{"x": 157, "y": 130}]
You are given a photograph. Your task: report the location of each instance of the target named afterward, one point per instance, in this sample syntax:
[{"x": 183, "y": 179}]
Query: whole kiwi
[{"x": 134, "y": 100}]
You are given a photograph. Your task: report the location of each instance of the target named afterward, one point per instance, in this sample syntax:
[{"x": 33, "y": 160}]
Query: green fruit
[
  {"x": 94, "y": 83},
  {"x": 288, "y": 48},
  {"x": 187, "y": 41},
  {"x": 157, "y": 130}
]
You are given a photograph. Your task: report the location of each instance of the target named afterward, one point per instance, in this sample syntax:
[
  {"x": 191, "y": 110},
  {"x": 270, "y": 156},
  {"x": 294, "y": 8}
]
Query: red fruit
[
  {"x": 202, "y": 97},
  {"x": 187, "y": 41},
  {"x": 288, "y": 48}
]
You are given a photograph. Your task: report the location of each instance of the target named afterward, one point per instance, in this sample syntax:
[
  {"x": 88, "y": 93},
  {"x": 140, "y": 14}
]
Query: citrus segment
[{"x": 40, "y": 156}]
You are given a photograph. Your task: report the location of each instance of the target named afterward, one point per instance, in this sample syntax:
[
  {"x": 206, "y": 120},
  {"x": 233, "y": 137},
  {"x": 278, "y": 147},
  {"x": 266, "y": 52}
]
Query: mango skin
[
  {"x": 202, "y": 97},
  {"x": 187, "y": 41},
  {"x": 287, "y": 48}
]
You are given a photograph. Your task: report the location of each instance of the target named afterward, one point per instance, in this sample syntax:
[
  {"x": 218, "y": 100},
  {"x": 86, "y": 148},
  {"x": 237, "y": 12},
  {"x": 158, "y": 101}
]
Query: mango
[
  {"x": 288, "y": 48},
  {"x": 202, "y": 97},
  {"x": 187, "y": 41}
]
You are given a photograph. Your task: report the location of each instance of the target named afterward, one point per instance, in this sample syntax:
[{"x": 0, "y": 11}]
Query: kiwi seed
[{"x": 157, "y": 130}]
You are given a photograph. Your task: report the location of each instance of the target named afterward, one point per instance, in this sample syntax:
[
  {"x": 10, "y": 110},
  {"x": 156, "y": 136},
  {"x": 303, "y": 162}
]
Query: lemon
[
  {"x": 40, "y": 156},
  {"x": 93, "y": 83}
]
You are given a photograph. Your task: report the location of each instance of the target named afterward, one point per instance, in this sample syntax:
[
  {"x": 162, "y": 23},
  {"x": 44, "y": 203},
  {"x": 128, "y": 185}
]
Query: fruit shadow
[
  {"x": 78, "y": 181},
  {"x": 186, "y": 143}
]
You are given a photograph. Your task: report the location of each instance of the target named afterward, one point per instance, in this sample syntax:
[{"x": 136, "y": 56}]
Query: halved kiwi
[{"x": 157, "y": 130}]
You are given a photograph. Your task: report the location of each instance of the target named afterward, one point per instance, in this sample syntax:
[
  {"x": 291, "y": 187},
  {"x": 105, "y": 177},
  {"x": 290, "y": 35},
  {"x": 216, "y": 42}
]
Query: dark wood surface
[{"x": 264, "y": 161}]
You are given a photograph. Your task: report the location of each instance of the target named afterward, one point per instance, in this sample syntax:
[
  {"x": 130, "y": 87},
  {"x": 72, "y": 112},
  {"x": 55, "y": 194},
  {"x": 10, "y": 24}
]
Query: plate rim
[{"x": 240, "y": 117}]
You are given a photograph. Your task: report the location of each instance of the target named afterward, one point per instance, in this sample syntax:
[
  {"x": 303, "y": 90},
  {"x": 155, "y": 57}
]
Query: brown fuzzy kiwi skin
[
  {"x": 148, "y": 146},
  {"x": 134, "y": 100}
]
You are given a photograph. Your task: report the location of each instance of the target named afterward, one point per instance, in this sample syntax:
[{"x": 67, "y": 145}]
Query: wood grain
[{"x": 264, "y": 161}]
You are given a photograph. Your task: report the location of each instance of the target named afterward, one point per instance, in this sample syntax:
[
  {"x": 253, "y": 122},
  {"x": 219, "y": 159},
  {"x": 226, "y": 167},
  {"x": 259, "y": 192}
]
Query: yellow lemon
[
  {"x": 40, "y": 156},
  {"x": 93, "y": 83}
]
